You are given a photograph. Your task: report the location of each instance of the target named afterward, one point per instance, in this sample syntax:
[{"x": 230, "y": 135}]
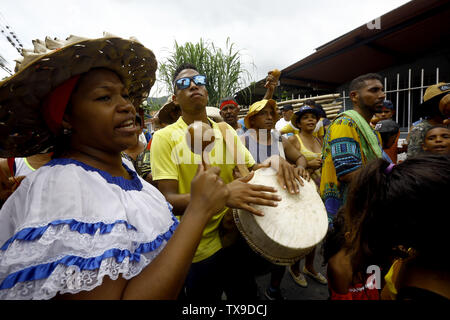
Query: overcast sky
[{"x": 269, "y": 34}]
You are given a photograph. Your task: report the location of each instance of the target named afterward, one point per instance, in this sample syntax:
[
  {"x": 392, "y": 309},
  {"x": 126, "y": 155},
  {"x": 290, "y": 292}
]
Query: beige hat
[
  {"x": 436, "y": 90},
  {"x": 164, "y": 114},
  {"x": 23, "y": 131},
  {"x": 214, "y": 113}
]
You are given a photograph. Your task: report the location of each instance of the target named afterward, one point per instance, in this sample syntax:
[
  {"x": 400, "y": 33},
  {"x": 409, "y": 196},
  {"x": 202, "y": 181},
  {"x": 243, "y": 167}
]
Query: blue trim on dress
[
  {"x": 45, "y": 270},
  {"x": 125, "y": 184},
  {"x": 31, "y": 234}
]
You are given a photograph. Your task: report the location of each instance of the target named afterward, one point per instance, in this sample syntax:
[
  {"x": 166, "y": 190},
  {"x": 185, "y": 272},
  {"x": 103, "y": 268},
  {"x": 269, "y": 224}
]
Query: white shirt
[
  {"x": 281, "y": 124},
  {"x": 68, "y": 225}
]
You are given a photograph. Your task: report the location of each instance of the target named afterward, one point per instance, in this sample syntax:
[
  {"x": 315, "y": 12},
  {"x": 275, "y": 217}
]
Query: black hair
[
  {"x": 322, "y": 112},
  {"x": 401, "y": 207},
  {"x": 182, "y": 67},
  {"x": 359, "y": 82},
  {"x": 434, "y": 127},
  {"x": 309, "y": 102}
]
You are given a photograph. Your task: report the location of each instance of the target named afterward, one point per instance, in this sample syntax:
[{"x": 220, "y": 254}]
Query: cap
[
  {"x": 387, "y": 126},
  {"x": 287, "y": 107},
  {"x": 305, "y": 109},
  {"x": 388, "y": 104},
  {"x": 436, "y": 90}
]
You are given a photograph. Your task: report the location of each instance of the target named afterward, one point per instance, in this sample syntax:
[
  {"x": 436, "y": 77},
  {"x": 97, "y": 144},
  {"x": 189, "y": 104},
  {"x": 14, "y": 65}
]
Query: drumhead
[{"x": 288, "y": 232}]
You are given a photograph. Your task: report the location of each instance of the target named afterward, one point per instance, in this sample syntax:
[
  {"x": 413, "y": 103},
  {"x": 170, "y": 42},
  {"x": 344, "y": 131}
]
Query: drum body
[{"x": 288, "y": 232}]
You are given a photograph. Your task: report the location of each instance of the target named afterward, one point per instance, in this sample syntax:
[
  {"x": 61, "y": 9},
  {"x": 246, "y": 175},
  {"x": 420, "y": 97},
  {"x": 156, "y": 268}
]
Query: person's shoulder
[
  {"x": 343, "y": 119},
  {"x": 229, "y": 129},
  {"x": 339, "y": 274},
  {"x": 171, "y": 132}
]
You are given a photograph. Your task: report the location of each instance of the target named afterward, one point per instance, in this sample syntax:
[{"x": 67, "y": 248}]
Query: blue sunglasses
[{"x": 183, "y": 83}]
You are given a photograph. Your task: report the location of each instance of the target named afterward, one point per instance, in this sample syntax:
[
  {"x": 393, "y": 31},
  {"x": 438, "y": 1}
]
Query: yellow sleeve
[
  {"x": 289, "y": 129},
  {"x": 163, "y": 166}
]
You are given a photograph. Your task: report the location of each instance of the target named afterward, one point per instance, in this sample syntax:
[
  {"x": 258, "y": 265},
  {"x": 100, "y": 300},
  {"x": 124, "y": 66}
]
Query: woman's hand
[
  {"x": 243, "y": 193},
  {"x": 8, "y": 185},
  {"x": 208, "y": 192},
  {"x": 315, "y": 163}
]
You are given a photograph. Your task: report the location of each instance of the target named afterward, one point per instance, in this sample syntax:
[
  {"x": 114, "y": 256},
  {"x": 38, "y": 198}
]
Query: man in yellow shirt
[{"x": 174, "y": 166}]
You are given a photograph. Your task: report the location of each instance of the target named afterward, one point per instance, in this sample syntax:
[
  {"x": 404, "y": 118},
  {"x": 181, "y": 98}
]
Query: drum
[{"x": 288, "y": 232}]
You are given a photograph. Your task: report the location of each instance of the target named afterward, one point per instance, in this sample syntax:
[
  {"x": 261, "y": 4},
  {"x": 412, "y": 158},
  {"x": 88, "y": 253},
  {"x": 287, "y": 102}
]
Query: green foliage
[
  {"x": 222, "y": 68},
  {"x": 284, "y": 95}
]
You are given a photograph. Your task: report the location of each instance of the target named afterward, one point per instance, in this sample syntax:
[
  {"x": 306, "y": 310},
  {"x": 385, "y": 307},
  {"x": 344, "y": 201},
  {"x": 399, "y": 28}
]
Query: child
[
  {"x": 437, "y": 140},
  {"x": 389, "y": 132},
  {"x": 343, "y": 283},
  {"x": 398, "y": 211},
  {"x": 387, "y": 112}
]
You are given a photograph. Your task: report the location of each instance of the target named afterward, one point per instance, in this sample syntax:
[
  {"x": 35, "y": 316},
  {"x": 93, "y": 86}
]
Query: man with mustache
[
  {"x": 350, "y": 142},
  {"x": 229, "y": 111}
]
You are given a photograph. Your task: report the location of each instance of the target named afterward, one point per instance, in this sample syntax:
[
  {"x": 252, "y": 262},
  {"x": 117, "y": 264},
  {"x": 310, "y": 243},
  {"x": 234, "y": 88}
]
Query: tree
[{"x": 223, "y": 69}]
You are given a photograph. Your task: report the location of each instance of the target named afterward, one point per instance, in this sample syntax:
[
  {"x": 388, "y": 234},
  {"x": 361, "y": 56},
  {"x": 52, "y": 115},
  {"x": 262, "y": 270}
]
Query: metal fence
[{"x": 405, "y": 92}]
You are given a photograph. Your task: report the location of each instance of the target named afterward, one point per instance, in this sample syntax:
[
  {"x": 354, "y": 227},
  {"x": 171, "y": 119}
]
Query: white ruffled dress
[{"x": 68, "y": 225}]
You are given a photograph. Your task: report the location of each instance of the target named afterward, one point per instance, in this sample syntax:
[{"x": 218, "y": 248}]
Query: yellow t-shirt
[{"x": 172, "y": 159}]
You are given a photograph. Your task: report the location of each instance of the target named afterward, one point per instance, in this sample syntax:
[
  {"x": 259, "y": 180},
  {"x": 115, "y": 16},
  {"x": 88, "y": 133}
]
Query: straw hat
[
  {"x": 163, "y": 115},
  {"x": 214, "y": 113},
  {"x": 23, "y": 131},
  {"x": 257, "y": 107}
]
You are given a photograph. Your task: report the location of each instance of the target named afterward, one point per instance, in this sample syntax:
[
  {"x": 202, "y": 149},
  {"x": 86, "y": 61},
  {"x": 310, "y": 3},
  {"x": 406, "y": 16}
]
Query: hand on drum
[
  {"x": 243, "y": 193},
  {"x": 287, "y": 174},
  {"x": 208, "y": 190},
  {"x": 315, "y": 163},
  {"x": 302, "y": 172}
]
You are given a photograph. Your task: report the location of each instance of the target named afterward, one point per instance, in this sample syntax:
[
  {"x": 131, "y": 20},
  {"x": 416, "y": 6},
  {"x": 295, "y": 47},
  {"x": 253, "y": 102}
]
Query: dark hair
[
  {"x": 287, "y": 107},
  {"x": 309, "y": 102},
  {"x": 335, "y": 238},
  {"x": 434, "y": 127},
  {"x": 322, "y": 112},
  {"x": 359, "y": 82},
  {"x": 401, "y": 207},
  {"x": 182, "y": 67}
]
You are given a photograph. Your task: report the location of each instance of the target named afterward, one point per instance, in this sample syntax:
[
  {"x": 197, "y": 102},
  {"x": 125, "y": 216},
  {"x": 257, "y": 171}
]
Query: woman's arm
[{"x": 163, "y": 278}]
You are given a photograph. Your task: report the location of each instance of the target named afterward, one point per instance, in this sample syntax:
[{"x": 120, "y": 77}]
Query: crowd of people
[{"x": 96, "y": 207}]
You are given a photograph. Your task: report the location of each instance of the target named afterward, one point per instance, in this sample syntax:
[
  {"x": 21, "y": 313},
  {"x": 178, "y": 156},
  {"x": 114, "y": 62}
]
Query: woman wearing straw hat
[{"x": 85, "y": 226}]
